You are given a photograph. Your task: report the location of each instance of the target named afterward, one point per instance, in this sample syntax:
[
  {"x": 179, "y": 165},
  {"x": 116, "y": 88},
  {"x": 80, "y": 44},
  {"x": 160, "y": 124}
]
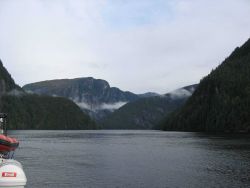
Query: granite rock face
[
  {"x": 29, "y": 111},
  {"x": 94, "y": 96}
]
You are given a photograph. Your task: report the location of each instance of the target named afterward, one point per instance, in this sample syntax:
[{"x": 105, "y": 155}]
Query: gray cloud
[{"x": 174, "y": 45}]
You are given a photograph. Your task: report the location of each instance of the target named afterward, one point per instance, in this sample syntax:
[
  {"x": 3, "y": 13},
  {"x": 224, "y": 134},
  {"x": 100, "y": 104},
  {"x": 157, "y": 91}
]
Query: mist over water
[{"x": 153, "y": 159}]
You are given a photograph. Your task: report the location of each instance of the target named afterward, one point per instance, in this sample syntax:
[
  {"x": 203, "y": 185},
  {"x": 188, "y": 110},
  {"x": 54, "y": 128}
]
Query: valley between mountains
[{"x": 219, "y": 103}]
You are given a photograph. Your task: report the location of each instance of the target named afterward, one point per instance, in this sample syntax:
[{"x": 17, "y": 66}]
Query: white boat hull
[{"x": 11, "y": 174}]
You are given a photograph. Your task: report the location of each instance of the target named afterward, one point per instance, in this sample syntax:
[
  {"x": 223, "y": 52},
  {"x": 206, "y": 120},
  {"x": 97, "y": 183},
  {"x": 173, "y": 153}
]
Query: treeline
[
  {"x": 6, "y": 81},
  {"x": 43, "y": 112},
  {"x": 26, "y": 111},
  {"x": 221, "y": 102},
  {"x": 144, "y": 113}
]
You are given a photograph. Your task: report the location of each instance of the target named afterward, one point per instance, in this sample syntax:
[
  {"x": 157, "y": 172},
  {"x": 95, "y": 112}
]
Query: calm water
[{"x": 124, "y": 159}]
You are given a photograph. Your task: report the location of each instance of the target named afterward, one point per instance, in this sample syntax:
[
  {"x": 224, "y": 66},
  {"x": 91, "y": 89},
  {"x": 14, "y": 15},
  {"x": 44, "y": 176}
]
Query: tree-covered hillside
[
  {"x": 146, "y": 113},
  {"x": 94, "y": 96},
  {"x": 26, "y": 111},
  {"x": 43, "y": 112},
  {"x": 221, "y": 102},
  {"x": 6, "y": 81}
]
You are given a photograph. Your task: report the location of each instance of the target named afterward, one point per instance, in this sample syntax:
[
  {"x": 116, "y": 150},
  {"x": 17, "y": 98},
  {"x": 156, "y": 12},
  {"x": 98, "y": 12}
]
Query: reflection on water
[{"x": 133, "y": 159}]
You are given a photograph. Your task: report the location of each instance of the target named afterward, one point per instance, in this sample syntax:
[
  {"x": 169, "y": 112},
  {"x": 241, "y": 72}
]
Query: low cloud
[
  {"x": 85, "y": 106},
  {"x": 180, "y": 93},
  {"x": 16, "y": 93},
  {"x": 112, "y": 106},
  {"x": 103, "y": 106},
  {"x": 138, "y": 46}
]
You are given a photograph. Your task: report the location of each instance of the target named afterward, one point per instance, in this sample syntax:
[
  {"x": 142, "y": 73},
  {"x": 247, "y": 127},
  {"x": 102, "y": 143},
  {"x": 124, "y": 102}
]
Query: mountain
[
  {"x": 6, "y": 81},
  {"x": 221, "y": 101},
  {"x": 94, "y": 96},
  {"x": 28, "y": 111},
  {"x": 44, "y": 112},
  {"x": 145, "y": 113}
]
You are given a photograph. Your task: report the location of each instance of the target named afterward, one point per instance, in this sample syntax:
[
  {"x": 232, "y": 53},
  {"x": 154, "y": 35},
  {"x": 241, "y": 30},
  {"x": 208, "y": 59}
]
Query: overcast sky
[{"x": 136, "y": 45}]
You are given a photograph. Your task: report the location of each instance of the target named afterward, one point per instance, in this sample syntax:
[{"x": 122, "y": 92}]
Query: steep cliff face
[
  {"x": 146, "y": 113},
  {"x": 6, "y": 82},
  {"x": 28, "y": 111},
  {"x": 221, "y": 101},
  {"x": 94, "y": 96}
]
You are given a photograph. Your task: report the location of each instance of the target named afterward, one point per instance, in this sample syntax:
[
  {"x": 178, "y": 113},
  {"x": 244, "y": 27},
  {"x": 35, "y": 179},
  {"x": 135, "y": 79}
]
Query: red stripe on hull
[{"x": 8, "y": 143}]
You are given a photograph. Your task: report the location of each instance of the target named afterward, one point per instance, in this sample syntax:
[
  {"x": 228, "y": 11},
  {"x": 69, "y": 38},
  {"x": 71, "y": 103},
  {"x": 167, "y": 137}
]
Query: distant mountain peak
[
  {"x": 221, "y": 100},
  {"x": 95, "y": 96},
  {"x": 38, "y": 112},
  {"x": 146, "y": 112}
]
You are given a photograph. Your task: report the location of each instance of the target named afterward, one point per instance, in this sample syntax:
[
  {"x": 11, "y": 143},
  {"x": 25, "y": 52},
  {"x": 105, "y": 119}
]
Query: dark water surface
[{"x": 124, "y": 159}]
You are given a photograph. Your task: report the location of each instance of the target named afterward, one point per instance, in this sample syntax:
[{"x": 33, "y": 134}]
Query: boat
[
  {"x": 11, "y": 171},
  {"x": 11, "y": 174},
  {"x": 7, "y": 143}
]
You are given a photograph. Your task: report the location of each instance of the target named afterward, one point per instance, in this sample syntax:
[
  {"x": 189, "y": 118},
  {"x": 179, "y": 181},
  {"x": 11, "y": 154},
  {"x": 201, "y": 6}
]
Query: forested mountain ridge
[
  {"x": 221, "y": 101},
  {"x": 44, "y": 112},
  {"x": 145, "y": 113},
  {"x": 26, "y": 111},
  {"x": 6, "y": 81},
  {"x": 93, "y": 96}
]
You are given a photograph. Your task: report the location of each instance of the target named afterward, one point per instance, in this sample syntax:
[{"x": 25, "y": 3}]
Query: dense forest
[
  {"x": 6, "y": 81},
  {"x": 28, "y": 111},
  {"x": 147, "y": 112},
  {"x": 94, "y": 96},
  {"x": 221, "y": 101},
  {"x": 44, "y": 112},
  {"x": 141, "y": 114}
]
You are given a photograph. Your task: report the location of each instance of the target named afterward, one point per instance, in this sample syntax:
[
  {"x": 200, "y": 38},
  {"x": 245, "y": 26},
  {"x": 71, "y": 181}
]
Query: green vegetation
[
  {"x": 144, "y": 113},
  {"x": 221, "y": 102},
  {"x": 89, "y": 93},
  {"x": 6, "y": 81},
  {"x": 27, "y": 111},
  {"x": 43, "y": 112}
]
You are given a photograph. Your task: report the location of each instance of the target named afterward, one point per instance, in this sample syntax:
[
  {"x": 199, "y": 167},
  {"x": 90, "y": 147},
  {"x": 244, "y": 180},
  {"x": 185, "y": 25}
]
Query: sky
[{"x": 136, "y": 45}]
